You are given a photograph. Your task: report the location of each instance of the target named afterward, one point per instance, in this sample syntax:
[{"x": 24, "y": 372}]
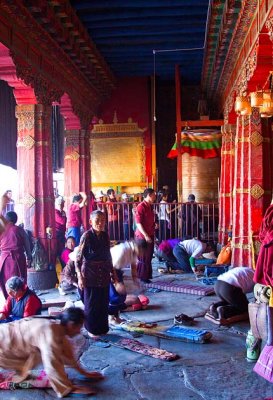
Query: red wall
[{"x": 131, "y": 99}]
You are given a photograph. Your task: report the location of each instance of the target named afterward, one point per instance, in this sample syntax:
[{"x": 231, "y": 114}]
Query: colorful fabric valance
[{"x": 205, "y": 143}]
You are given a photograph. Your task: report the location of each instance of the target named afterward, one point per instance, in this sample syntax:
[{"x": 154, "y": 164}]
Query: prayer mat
[
  {"x": 227, "y": 321},
  {"x": 137, "y": 347},
  {"x": 181, "y": 288},
  {"x": 37, "y": 379},
  {"x": 173, "y": 332}
]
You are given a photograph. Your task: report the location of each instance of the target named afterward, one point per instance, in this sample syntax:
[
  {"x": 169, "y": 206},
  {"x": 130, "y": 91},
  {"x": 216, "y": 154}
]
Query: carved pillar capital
[{"x": 44, "y": 91}]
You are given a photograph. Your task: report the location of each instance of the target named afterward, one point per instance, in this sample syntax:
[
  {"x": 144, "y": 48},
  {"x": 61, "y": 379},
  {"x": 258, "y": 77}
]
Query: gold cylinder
[
  {"x": 256, "y": 99},
  {"x": 200, "y": 176},
  {"x": 267, "y": 107},
  {"x": 242, "y": 105}
]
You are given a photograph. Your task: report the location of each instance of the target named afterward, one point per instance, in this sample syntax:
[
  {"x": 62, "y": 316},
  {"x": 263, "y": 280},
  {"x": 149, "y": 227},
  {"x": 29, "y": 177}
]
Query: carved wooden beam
[{"x": 39, "y": 55}]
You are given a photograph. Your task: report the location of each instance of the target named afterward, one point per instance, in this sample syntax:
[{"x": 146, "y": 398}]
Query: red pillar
[
  {"x": 249, "y": 192},
  {"x": 85, "y": 173},
  {"x": 226, "y": 181},
  {"x": 77, "y": 167},
  {"x": 35, "y": 176}
]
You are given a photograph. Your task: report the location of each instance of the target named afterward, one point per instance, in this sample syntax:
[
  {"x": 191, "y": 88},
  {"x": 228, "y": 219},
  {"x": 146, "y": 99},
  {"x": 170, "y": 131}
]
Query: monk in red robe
[
  {"x": 264, "y": 268},
  {"x": 15, "y": 252}
]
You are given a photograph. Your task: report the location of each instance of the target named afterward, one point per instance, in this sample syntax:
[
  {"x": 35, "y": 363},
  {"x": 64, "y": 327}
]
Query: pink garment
[
  {"x": 165, "y": 247},
  {"x": 13, "y": 243},
  {"x": 74, "y": 216},
  {"x": 264, "y": 268},
  {"x": 65, "y": 255},
  {"x": 60, "y": 220}
]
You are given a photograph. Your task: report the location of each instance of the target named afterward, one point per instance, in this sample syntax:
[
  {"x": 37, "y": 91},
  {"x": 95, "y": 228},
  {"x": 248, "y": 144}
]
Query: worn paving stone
[
  {"x": 232, "y": 380},
  {"x": 147, "y": 385}
]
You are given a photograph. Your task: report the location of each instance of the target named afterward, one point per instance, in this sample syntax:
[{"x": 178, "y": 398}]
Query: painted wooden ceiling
[{"x": 127, "y": 32}]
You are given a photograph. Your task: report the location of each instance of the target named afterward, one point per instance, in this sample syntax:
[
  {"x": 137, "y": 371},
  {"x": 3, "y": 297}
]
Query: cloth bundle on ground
[{"x": 38, "y": 379}]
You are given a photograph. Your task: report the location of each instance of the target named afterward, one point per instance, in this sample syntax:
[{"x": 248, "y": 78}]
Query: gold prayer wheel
[
  {"x": 242, "y": 105},
  {"x": 200, "y": 176},
  {"x": 256, "y": 98},
  {"x": 267, "y": 108}
]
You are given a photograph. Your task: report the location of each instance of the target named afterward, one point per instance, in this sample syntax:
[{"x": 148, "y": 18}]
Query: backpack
[{"x": 224, "y": 256}]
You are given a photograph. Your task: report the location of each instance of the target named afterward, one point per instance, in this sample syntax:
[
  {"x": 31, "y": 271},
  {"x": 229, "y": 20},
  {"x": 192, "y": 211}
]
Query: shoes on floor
[
  {"x": 115, "y": 321},
  {"x": 226, "y": 312},
  {"x": 183, "y": 319},
  {"x": 213, "y": 311}
]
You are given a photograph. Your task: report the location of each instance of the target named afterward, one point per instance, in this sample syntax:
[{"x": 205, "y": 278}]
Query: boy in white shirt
[{"x": 232, "y": 287}]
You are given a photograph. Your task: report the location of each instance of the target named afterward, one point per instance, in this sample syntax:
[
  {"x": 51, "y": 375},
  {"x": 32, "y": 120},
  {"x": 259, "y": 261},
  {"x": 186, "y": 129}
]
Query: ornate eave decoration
[
  {"x": 244, "y": 20},
  {"x": 117, "y": 129},
  {"x": 269, "y": 27},
  {"x": 61, "y": 57}
]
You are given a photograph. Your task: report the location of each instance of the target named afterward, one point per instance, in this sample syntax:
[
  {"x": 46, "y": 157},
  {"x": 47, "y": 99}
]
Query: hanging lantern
[
  {"x": 256, "y": 98},
  {"x": 267, "y": 108},
  {"x": 242, "y": 105}
]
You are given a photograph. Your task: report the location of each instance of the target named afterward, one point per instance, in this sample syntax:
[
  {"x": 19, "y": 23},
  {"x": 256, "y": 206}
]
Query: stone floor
[{"x": 214, "y": 371}]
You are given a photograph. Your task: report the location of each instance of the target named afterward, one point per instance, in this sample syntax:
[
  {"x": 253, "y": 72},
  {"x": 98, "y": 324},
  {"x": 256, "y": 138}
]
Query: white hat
[
  {"x": 98, "y": 195},
  {"x": 124, "y": 196},
  {"x": 72, "y": 256}
]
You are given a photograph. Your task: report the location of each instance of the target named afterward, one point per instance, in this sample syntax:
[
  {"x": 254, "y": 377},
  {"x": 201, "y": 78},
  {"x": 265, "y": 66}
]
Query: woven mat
[
  {"x": 181, "y": 288},
  {"x": 138, "y": 347}
]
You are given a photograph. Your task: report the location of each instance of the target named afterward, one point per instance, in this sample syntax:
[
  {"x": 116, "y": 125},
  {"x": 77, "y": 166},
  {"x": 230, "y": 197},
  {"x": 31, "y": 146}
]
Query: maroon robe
[
  {"x": 264, "y": 268},
  {"x": 13, "y": 243}
]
